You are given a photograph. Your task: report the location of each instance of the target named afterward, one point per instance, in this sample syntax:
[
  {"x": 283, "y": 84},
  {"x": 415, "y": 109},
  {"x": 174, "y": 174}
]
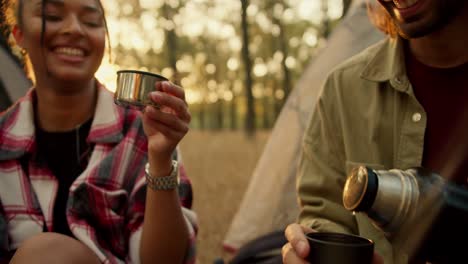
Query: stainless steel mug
[
  {"x": 133, "y": 88},
  {"x": 328, "y": 248}
]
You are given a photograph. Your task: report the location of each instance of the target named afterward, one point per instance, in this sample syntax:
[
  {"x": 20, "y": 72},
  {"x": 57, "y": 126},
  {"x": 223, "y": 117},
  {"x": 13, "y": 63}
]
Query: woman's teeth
[
  {"x": 404, "y": 3},
  {"x": 70, "y": 51}
]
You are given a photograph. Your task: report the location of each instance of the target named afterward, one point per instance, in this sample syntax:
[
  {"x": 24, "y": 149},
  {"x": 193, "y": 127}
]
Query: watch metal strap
[{"x": 163, "y": 183}]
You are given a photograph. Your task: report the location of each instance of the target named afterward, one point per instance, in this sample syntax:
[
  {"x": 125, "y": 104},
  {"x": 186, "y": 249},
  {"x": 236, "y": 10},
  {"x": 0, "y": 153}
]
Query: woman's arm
[{"x": 165, "y": 236}]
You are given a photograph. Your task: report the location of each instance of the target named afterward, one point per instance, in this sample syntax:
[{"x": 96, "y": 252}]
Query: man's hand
[{"x": 297, "y": 249}]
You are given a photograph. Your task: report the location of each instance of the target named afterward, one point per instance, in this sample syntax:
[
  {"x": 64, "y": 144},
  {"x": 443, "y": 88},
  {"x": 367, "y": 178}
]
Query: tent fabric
[
  {"x": 13, "y": 80},
  {"x": 270, "y": 201}
]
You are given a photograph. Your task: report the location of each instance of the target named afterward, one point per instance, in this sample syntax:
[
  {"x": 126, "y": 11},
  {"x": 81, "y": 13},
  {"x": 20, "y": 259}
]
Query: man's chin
[{"x": 417, "y": 30}]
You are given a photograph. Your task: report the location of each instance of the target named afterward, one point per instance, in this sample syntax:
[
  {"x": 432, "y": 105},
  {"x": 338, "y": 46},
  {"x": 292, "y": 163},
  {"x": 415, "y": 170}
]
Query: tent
[
  {"x": 13, "y": 81},
  {"x": 270, "y": 202}
]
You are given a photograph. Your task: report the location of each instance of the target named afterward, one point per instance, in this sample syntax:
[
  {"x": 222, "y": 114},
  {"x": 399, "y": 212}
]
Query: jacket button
[{"x": 417, "y": 117}]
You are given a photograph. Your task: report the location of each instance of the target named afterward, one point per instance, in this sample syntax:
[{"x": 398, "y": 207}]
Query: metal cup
[
  {"x": 133, "y": 88},
  {"x": 328, "y": 248}
]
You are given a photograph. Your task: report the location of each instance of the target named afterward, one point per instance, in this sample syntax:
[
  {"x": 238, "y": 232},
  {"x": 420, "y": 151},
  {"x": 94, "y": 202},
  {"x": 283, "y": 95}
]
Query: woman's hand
[{"x": 166, "y": 126}]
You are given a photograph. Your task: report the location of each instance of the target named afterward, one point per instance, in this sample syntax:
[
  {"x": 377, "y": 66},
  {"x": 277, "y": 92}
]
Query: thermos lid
[{"x": 360, "y": 189}]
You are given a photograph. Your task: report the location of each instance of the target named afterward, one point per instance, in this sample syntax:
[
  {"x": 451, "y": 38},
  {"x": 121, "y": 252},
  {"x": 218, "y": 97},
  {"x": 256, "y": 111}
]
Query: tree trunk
[
  {"x": 233, "y": 109},
  {"x": 284, "y": 49},
  {"x": 171, "y": 44},
  {"x": 266, "y": 112},
  {"x": 250, "y": 115},
  {"x": 219, "y": 114},
  {"x": 233, "y": 112},
  {"x": 326, "y": 20},
  {"x": 202, "y": 115}
]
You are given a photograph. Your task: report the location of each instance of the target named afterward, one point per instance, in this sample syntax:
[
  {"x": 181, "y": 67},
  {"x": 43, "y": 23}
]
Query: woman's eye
[
  {"x": 92, "y": 20},
  {"x": 93, "y": 23},
  {"x": 52, "y": 18}
]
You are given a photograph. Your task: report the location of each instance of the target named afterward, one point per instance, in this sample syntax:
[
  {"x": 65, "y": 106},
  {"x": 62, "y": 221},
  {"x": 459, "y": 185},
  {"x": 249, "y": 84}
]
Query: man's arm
[{"x": 321, "y": 171}]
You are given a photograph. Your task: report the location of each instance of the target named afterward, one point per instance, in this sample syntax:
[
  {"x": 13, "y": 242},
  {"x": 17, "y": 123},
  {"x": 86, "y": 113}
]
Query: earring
[{"x": 23, "y": 52}]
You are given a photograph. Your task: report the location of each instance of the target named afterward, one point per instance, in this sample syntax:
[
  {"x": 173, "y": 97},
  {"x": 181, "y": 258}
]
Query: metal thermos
[{"x": 419, "y": 211}]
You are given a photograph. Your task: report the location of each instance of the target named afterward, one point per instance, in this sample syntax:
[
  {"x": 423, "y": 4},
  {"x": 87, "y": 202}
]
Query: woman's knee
[{"x": 53, "y": 248}]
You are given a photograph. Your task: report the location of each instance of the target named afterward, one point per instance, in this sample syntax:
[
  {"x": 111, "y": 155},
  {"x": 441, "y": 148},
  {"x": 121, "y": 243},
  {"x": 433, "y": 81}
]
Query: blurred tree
[
  {"x": 256, "y": 57},
  {"x": 326, "y": 26},
  {"x": 250, "y": 114},
  {"x": 233, "y": 108},
  {"x": 283, "y": 47},
  {"x": 169, "y": 13}
]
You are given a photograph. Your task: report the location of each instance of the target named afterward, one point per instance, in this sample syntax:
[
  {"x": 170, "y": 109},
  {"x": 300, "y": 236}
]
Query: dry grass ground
[{"x": 220, "y": 165}]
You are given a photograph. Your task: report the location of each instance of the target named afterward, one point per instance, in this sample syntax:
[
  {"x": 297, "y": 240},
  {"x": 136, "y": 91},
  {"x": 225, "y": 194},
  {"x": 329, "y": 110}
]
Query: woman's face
[{"x": 73, "y": 41}]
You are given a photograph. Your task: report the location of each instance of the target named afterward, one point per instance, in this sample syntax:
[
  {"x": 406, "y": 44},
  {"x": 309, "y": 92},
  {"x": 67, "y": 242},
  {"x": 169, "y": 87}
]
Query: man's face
[{"x": 417, "y": 18}]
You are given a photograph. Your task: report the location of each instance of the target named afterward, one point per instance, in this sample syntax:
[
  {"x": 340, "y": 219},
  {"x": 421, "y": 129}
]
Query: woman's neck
[
  {"x": 63, "y": 108},
  {"x": 445, "y": 48}
]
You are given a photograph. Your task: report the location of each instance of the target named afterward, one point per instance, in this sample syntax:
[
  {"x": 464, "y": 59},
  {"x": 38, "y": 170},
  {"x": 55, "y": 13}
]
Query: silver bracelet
[{"x": 163, "y": 183}]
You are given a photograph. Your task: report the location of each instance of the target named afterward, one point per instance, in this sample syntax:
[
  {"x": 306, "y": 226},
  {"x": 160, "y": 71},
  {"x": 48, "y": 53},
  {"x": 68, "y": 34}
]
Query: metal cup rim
[
  {"x": 320, "y": 237},
  {"x": 142, "y": 72}
]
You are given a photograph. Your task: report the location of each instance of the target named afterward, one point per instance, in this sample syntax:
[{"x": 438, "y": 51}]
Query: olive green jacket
[{"x": 367, "y": 114}]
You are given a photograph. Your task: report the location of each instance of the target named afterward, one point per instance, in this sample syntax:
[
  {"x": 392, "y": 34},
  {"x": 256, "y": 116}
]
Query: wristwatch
[{"x": 163, "y": 183}]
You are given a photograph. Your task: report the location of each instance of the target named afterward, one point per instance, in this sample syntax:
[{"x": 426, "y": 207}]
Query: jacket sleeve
[
  {"x": 137, "y": 212},
  {"x": 321, "y": 171}
]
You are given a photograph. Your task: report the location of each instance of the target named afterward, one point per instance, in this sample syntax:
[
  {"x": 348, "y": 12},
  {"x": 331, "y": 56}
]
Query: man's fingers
[
  {"x": 295, "y": 234},
  {"x": 377, "y": 259},
  {"x": 290, "y": 256}
]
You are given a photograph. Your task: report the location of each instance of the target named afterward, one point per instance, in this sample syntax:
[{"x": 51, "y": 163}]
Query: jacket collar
[
  {"x": 17, "y": 129},
  {"x": 387, "y": 63}
]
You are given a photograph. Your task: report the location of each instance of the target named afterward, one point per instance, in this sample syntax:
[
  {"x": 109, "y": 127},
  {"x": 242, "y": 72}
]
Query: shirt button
[{"x": 417, "y": 117}]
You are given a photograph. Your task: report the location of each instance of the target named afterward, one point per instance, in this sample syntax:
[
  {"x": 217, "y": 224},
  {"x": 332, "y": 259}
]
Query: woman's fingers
[
  {"x": 154, "y": 115},
  {"x": 171, "y": 88},
  {"x": 176, "y": 104}
]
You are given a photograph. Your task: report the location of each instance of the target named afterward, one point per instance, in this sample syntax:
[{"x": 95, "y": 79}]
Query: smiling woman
[{"x": 73, "y": 185}]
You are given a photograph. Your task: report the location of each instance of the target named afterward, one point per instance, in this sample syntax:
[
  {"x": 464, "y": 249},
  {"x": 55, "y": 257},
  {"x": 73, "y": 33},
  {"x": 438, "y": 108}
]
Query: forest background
[{"x": 238, "y": 60}]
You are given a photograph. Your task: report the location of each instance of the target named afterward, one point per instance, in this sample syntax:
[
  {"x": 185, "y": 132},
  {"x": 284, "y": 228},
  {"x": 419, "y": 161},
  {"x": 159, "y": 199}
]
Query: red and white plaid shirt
[{"x": 106, "y": 202}]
